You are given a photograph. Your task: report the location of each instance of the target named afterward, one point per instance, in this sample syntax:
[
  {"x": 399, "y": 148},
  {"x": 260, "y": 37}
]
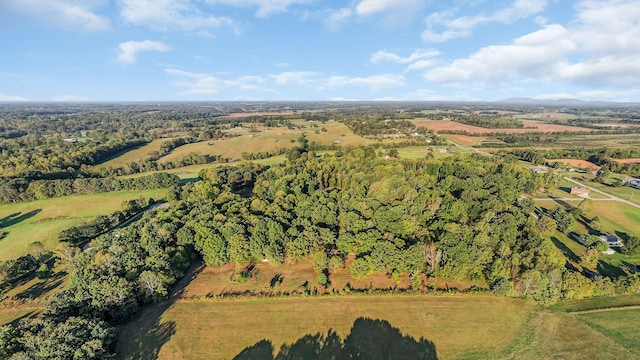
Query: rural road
[{"x": 612, "y": 197}]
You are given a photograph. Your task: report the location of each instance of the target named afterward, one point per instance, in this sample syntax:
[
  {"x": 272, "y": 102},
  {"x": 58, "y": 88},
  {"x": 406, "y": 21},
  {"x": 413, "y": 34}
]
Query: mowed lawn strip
[
  {"x": 560, "y": 336},
  {"x": 46, "y": 218},
  {"x": 221, "y": 329}
]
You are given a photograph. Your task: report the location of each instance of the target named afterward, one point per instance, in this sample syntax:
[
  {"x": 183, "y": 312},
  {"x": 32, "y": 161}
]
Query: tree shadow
[
  {"x": 568, "y": 253},
  {"x": 16, "y": 218},
  {"x": 609, "y": 270},
  {"x": 146, "y": 339},
  {"x": 276, "y": 280},
  {"x": 369, "y": 339},
  {"x": 38, "y": 289},
  {"x": 622, "y": 235}
]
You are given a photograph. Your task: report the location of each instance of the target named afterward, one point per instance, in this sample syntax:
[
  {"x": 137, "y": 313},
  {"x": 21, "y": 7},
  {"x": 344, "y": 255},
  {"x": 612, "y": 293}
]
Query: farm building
[
  {"x": 611, "y": 240},
  {"x": 539, "y": 169},
  {"x": 580, "y": 191}
]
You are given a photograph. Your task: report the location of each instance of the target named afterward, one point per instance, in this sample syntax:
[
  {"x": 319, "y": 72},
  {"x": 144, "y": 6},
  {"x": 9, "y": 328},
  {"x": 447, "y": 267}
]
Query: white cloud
[
  {"x": 386, "y": 56},
  {"x": 65, "y": 13},
  {"x": 369, "y": 7},
  {"x": 462, "y": 26},
  {"x": 266, "y": 8},
  {"x": 130, "y": 49},
  {"x": 170, "y": 15},
  {"x": 599, "y": 49},
  {"x": 394, "y": 12},
  {"x": 11, "y": 98},
  {"x": 336, "y": 20},
  {"x": 295, "y": 77},
  {"x": 535, "y": 55},
  {"x": 374, "y": 82},
  {"x": 206, "y": 84},
  {"x": 422, "y": 65}
]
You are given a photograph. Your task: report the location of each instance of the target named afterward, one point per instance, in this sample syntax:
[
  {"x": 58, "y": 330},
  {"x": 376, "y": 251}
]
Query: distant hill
[{"x": 559, "y": 102}]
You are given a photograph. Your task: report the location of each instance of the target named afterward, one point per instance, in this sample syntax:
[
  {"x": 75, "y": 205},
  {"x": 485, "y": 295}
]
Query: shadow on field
[
  {"x": 369, "y": 339},
  {"x": 568, "y": 253},
  {"x": 18, "y": 217},
  {"x": 146, "y": 339}
]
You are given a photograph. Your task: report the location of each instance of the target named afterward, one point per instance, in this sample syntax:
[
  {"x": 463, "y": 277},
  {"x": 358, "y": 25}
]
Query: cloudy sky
[{"x": 165, "y": 50}]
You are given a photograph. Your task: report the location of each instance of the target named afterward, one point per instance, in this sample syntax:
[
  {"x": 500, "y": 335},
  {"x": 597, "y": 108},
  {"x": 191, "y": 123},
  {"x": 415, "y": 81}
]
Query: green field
[
  {"x": 271, "y": 139},
  {"x": 620, "y": 325},
  {"x": 223, "y": 329},
  {"x": 615, "y": 218},
  {"x": 454, "y": 326},
  {"x": 134, "y": 155},
  {"x": 43, "y": 220}
]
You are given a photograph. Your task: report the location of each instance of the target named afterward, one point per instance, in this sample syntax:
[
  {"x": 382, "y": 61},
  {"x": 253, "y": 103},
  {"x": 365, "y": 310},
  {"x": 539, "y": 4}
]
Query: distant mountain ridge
[{"x": 558, "y": 102}]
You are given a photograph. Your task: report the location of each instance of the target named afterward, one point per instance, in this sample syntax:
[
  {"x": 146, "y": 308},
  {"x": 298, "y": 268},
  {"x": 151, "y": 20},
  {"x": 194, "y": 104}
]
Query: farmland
[
  {"x": 42, "y": 220},
  {"x": 133, "y": 155},
  {"x": 454, "y": 326},
  {"x": 583, "y": 164},
  {"x": 364, "y": 233},
  {"x": 447, "y": 321},
  {"x": 529, "y": 126}
]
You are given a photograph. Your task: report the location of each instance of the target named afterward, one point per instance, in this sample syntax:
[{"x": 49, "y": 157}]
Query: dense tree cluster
[
  {"x": 490, "y": 122},
  {"x": 14, "y": 191},
  {"x": 123, "y": 269}
]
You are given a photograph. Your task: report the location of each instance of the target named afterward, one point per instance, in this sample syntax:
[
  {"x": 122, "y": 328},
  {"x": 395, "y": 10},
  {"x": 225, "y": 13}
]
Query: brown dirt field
[
  {"x": 243, "y": 115},
  {"x": 529, "y": 126},
  {"x": 575, "y": 163},
  {"x": 628, "y": 161}
]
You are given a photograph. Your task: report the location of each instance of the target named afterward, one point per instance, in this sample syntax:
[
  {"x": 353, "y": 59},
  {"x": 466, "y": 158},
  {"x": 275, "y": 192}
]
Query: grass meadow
[
  {"x": 455, "y": 326},
  {"x": 42, "y": 220},
  {"x": 193, "y": 329}
]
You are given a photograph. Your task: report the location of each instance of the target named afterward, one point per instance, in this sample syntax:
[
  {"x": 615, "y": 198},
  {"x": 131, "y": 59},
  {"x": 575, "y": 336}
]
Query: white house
[{"x": 611, "y": 240}]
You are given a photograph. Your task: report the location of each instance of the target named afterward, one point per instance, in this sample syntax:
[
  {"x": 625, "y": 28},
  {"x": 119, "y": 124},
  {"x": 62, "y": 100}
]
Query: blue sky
[{"x": 180, "y": 50}]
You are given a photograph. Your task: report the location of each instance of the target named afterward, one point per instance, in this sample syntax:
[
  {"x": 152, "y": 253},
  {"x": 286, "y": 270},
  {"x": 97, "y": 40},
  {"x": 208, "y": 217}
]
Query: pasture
[
  {"x": 42, "y": 220},
  {"x": 620, "y": 325},
  {"x": 452, "y": 326},
  {"x": 455, "y": 325},
  {"x": 134, "y": 155},
  {"x": 270, "y": 139}
]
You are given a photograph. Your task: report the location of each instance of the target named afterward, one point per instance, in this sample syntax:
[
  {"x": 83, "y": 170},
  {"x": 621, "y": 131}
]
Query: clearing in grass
[{"x": 26, "y": 222}]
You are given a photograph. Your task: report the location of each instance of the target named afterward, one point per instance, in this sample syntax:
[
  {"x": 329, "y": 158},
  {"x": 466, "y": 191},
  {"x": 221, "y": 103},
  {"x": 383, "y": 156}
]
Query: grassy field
[
  {"x": 452, "y": 326},
  {"x": 43, "y": 220},
  {"x": 456, "y": 325},
  {"x": 623, "y": 192},
  {"x": 10, "y": 315},
  {"x": 620, "y": 325},
  {"x": 134, "y": 155},
  {"x": 273, "y": 138},
  {"x": 615, "y": 218}
]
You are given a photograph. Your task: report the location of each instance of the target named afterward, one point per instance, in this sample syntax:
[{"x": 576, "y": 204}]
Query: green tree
[
  {"x": 361, "y": 268},
  {"x": 631, "y": 246}
]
